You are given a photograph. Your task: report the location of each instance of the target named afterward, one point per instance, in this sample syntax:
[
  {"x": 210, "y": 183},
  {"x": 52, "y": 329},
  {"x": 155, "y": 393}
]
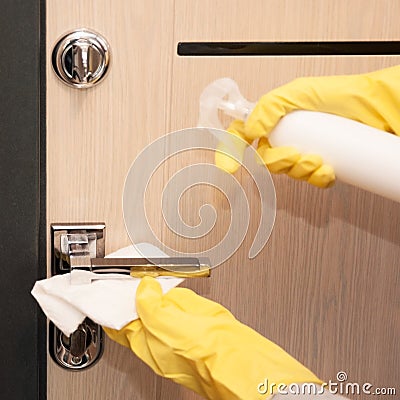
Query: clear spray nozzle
[{"x": 222, "y": 95}]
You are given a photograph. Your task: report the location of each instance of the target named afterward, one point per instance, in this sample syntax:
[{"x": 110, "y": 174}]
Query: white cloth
[{"x": 109, "y": 302}]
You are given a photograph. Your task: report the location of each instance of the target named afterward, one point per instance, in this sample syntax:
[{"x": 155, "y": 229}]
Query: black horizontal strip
[{"x": 288, "y": 48}]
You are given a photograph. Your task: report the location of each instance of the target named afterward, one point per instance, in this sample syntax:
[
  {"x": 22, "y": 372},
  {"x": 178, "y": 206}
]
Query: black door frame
[{"x": 23, "y": 198}]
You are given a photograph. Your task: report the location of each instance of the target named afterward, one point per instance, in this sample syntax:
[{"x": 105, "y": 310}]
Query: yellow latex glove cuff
[
  {"x": 199, "y": 344},
  {"x": 373, "y": 99}
]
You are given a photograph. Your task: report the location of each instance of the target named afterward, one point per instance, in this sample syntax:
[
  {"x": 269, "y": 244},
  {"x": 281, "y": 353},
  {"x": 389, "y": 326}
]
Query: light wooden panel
[
  {"x": 93, "y": 137},
  {"x": 285, "y": 20},
  {"x": 325, "y": 285}
]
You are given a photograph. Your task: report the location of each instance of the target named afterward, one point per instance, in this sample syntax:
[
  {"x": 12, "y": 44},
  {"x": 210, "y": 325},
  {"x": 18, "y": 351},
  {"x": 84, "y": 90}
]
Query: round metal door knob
[{"x": 81, "y": 58}]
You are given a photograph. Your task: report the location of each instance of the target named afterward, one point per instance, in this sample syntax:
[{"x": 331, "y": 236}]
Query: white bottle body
[{"x": 360, "y": 155}]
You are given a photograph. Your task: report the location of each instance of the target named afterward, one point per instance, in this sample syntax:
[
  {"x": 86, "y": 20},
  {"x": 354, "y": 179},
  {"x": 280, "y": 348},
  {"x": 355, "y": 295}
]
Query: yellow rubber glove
[
  {"x": 373, "y": 99},
  {"x": 199, "y": 344},
  {"x": 283, "y": 159}
]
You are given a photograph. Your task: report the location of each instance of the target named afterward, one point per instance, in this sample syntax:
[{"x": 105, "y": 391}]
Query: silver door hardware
[
  {"x": 85, "y": 346},
  {"x": 81, "y": 247},
  {"x": 77, "y": 247},
  {"x": 79, "y": 351},
  {"x": 81, "y": 58}
]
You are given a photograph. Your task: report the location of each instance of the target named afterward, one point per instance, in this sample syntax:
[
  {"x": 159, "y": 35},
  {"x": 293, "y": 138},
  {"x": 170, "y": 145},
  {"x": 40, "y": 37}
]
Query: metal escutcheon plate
[{"x": 81, "y": 58}]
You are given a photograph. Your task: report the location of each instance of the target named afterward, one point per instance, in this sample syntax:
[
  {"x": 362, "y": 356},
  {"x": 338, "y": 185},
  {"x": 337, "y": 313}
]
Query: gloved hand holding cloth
[{"x": 199, "y": 344}]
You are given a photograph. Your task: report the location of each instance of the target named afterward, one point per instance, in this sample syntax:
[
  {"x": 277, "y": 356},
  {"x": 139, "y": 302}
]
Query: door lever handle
[
  {"x": 78, "y": 249},
  {"x": 81, "y": 247}
]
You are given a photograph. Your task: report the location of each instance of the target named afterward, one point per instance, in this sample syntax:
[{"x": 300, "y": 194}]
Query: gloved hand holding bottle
[{"x": 371, "y": 98}]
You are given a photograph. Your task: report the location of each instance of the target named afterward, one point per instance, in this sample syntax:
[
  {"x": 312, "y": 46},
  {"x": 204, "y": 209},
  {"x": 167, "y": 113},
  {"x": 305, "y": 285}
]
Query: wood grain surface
[{"x": 325, "y": 287}]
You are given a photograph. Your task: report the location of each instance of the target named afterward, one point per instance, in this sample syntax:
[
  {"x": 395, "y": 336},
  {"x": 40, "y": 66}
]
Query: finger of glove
[
  {"x": 305, "y": 166},
  {"x": 154, "y": 307},
  {"x": 224, "y": 159},
  {"x": 288, "y": 160},
  {"x": 229, "y": 154},
  {"x": 121, "y": 336},
  {"x": 178, "y": 324},
  {"x": 323, "y": 177},
  {"x": 134, "y": 337},
  {"x": 278, "y": 159}
]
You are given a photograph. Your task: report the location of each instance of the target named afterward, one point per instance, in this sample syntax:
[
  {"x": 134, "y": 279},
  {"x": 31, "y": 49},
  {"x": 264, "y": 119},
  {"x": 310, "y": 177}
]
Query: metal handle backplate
[
  {"x": 77, "y": 247},
  {"x": 85, "y": 346}
]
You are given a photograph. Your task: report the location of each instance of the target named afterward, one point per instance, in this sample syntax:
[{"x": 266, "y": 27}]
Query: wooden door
[{"x": 324, "y": 287}]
